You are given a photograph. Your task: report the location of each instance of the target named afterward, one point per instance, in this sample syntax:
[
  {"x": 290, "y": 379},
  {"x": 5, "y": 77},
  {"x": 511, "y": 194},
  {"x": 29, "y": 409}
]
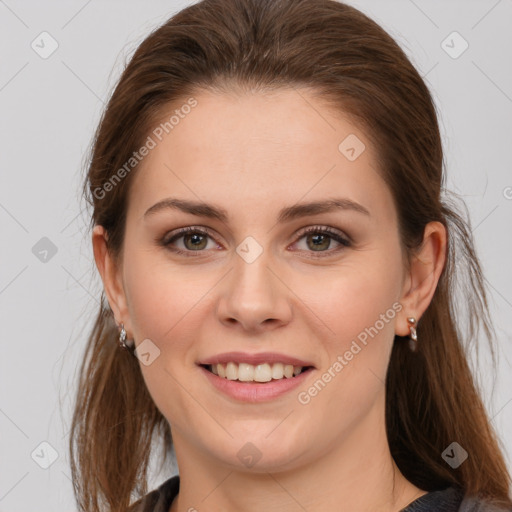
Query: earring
[
  {"x": 413, "y": 338},
  {"x": 122, "y": 338}
]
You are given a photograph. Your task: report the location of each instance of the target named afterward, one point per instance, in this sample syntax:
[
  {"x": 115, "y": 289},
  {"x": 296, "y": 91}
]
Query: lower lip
[{"x": 255, "y": 391}]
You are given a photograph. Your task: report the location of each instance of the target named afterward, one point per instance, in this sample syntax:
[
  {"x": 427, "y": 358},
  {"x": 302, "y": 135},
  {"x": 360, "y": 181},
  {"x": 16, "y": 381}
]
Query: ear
[
  {"x": 110, "y": 275},
  {"x": 422, "y": 277}
]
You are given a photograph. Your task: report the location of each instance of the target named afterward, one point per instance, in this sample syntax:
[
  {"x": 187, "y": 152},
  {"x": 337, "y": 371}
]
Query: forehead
[{"x": 256, "y": 149}]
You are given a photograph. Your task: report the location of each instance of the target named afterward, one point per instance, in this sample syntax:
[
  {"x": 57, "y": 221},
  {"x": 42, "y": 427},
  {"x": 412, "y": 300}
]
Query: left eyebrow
[
  {"x": 286, "y": 214},
  {"x": 316, "y": 207}
]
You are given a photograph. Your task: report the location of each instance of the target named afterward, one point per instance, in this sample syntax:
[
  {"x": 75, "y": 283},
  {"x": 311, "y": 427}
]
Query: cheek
[
  {"x": 167, "y": 305},
  {"x": 359, "y": 304},
  {"x": 160, "y": 297},
  {"x": 353, "y": 298},
  {"x": 360, "y": 307}
]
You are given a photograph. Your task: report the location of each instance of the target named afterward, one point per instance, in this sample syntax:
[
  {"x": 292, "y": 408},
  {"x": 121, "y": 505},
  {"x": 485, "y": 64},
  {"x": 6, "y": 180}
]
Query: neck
[{"x": 357, "y": 474}]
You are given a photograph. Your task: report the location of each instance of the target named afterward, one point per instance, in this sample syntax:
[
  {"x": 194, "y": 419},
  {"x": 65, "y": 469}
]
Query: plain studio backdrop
[{"x": 59, "y": 62}]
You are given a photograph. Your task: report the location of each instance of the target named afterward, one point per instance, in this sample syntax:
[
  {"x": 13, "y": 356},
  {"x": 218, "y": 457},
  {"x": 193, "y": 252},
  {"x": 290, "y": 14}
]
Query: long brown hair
[{"x": 335, "y": 50}]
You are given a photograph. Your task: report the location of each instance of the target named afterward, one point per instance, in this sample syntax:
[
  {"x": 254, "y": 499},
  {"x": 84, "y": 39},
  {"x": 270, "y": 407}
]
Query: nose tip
[{"x": 253, "y": 297}]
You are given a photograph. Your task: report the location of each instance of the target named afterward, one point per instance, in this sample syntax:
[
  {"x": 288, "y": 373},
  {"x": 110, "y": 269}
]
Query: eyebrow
[{"x": 286, "y": 214}]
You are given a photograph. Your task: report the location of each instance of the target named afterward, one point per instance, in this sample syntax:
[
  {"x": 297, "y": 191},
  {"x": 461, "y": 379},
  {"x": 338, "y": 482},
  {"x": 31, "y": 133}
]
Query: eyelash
[{"x": 345, "y": 242}]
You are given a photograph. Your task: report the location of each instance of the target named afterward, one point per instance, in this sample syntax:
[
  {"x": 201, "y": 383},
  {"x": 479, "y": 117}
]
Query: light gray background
[{"x": 49, "y": 110}]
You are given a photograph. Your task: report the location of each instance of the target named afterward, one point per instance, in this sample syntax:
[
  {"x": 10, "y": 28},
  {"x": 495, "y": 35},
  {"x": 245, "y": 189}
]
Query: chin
[{"x": 258, "y": 453}]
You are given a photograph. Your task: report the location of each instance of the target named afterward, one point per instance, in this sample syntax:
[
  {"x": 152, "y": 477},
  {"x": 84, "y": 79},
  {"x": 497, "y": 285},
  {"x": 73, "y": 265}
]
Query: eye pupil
[
  {"x": 318, "y": 239},
  {"x": 196, "y": 240}
]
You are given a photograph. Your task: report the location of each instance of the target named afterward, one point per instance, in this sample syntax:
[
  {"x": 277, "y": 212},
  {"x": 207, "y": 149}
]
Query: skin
[{"x": 253, "y": 154}]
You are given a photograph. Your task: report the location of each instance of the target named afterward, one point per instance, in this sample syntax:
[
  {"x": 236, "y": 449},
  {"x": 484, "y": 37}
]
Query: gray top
[{"x": 450, "y": 499}]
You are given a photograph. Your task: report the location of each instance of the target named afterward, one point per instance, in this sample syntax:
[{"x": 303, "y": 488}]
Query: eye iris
[
  {"x": 325, "y": 240},
  {"x": 196, "y": 240}
]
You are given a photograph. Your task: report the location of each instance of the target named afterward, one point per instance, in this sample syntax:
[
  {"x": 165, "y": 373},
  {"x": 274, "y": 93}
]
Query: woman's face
[{"x": 255, "y": 288}]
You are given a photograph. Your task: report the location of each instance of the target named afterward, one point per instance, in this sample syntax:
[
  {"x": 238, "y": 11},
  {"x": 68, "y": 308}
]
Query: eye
[
  {"x": 195, "y": 240},
  {"x": 319, "y": 238}
]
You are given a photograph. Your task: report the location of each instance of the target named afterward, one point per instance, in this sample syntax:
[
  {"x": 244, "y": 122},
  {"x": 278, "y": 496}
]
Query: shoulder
[
  {"x": 160, "y": 499},
  {"x": 476, "y": 504},
  {"x": 452, "y": 499}
]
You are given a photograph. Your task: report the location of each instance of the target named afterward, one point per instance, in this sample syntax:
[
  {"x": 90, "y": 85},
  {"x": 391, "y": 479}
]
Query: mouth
[
  {"x": 260, "y": 377},
  {"x": 257, "y": 373}
]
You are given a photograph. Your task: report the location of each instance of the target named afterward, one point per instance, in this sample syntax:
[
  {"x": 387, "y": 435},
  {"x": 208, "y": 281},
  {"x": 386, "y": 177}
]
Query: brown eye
[
  {"x": 319, "y": 240},
  {"x": 194, "y": 240},
  {"x": 197, "y": 241}
]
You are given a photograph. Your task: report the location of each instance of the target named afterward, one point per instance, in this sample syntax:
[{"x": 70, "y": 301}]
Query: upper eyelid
[{"x": 179, "y": 232}]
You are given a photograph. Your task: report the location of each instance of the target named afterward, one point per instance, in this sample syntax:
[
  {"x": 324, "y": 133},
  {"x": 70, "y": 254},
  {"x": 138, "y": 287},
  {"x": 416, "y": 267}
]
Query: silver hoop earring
[
  {"x": 413, "y": 337},
  {"x": 122, "y": 338}
]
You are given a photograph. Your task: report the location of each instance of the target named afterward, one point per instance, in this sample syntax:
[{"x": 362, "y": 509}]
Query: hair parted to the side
[{"x": 346, "y": 58}]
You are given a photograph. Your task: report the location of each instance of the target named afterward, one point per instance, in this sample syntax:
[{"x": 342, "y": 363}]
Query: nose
[{"x": 253, "y": 297}]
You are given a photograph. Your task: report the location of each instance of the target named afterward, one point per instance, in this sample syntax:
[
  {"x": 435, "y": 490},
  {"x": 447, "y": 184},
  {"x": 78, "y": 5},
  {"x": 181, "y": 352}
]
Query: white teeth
[
  {"x": 277, "y": 371},
  {"x": 232, "y": 371},
  {"x": 288, "y": 371},
  {"x": 265, "y": 372},
  {"x": 262, "y": 373},
  {"x": 245, "y": 372}
]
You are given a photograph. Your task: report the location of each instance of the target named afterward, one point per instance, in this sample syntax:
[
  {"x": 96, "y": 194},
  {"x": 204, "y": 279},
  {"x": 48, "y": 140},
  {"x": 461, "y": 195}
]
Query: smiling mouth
[{"x": 260, "y": 373}]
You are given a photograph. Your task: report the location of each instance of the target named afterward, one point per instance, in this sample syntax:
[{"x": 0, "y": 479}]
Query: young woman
[{"x": 278, "y": 259}]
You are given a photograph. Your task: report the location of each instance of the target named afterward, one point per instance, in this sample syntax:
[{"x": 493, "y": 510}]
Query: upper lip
[{"x": 254, "y": 359}]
